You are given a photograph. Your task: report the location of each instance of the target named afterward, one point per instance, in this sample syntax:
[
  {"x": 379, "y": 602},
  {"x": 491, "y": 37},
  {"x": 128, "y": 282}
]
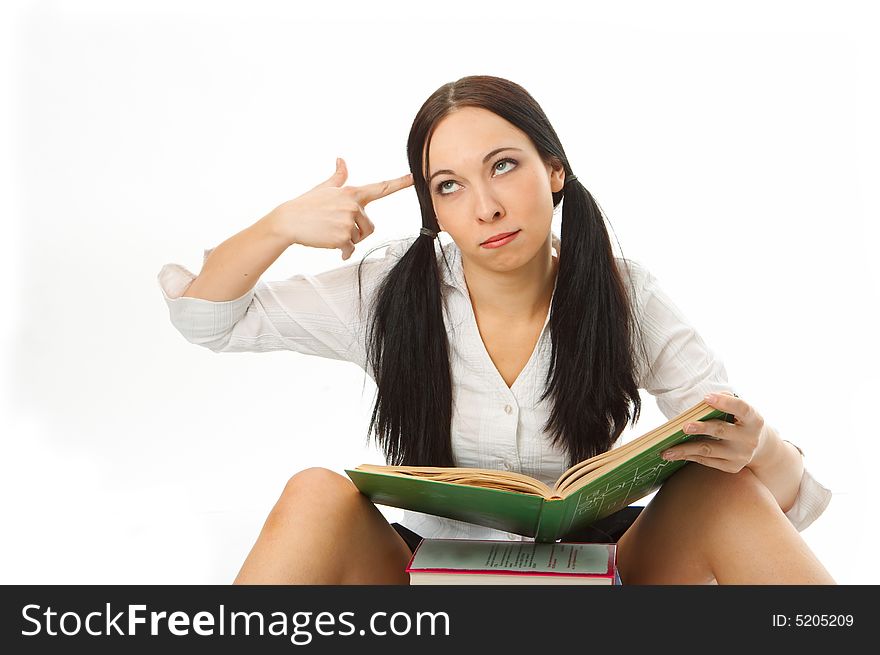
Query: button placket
[{"x": 508, "y": 462}]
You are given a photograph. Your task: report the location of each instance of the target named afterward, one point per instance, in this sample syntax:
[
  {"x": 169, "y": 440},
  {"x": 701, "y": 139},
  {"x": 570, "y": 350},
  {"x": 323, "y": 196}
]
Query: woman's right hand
[{"x": 332, "y": 215}]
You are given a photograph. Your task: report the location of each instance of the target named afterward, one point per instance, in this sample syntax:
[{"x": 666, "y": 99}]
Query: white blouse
[{"x": 493, "y": 426}]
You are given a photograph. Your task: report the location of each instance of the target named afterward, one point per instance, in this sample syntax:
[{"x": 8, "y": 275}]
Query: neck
[{"x": 520, "y": 295}]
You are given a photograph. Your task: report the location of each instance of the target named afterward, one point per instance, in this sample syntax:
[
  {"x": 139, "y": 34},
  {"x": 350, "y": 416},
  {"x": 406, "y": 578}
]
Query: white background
[{"x": 733, "y": 150}]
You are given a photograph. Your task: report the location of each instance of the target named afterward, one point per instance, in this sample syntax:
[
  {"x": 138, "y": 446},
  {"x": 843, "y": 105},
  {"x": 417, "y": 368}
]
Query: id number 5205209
[{"x": 813, "y": 620}]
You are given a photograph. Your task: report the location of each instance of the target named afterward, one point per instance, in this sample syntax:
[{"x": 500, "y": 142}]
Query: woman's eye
[
  {"x": 504, "y": 161},
  {"x": 441, "y": 186}
]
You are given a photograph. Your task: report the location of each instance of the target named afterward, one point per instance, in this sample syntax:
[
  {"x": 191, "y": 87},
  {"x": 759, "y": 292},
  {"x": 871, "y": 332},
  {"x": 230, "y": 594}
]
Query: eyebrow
[{"x": 485, "y": 159}]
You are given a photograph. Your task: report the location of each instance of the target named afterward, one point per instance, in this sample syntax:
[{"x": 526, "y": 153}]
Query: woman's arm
[
  {"x": 327, "y": 216},
  {"x": 780, "y": 466},
  {"x": 681, "y": 370},
  {"x": 235, "y": 266}
]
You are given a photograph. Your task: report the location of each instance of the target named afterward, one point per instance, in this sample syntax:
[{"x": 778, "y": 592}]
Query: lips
[{"x": 498, "y": 237}]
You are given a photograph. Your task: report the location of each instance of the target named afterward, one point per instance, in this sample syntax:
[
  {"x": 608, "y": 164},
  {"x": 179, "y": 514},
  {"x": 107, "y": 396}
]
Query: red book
[{"x": 490, "y": 562}]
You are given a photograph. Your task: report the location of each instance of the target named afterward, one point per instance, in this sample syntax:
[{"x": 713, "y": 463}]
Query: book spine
[{"x": 549, "y": 520}]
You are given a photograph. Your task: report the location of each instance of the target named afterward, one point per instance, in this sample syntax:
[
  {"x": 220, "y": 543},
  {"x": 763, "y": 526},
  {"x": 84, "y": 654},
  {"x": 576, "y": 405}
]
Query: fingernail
[
  {"x": 710, "y": 398},
  {"x": 666, "y": 454}
]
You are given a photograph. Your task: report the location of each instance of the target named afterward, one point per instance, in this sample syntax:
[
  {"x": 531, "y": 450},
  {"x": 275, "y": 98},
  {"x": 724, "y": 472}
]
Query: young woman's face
[{"x": 479, "y": 193}]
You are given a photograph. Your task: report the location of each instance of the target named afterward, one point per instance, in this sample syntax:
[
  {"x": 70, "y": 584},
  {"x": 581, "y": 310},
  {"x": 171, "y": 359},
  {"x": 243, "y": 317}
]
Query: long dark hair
[{"x": 592, "y": 376}]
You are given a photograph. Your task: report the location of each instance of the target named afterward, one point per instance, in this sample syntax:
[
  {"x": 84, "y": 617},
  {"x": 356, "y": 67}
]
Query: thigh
[{"x": 670, "y": 541}]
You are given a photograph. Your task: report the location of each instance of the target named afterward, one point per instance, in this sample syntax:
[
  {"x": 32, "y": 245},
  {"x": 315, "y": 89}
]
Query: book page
[{"x": 504, "y": 480}]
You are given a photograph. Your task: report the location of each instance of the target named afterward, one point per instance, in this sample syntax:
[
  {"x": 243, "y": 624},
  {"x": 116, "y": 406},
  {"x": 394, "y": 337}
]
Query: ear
[{"x": 557, "y": 176}]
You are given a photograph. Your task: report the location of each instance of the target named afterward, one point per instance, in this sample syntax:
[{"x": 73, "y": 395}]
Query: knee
[
  {"x": 317, "y": 483},
  {"x": 314, "y": 493}
]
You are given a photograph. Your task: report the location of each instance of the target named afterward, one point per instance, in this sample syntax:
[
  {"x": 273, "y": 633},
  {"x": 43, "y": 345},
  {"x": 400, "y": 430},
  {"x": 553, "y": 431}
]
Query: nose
[{"x": 487, "y": 209}]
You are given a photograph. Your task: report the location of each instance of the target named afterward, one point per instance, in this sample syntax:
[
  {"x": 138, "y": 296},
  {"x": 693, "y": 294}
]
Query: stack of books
[{"x": 490, "y": 562}]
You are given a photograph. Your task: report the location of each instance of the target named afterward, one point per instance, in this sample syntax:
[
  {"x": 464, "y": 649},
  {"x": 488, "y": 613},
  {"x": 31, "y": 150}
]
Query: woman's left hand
[{"x": 736, "y": 445}]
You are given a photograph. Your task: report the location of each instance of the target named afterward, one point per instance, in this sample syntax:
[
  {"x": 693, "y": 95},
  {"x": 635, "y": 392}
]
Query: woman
[{"x": 493, "y": 352}]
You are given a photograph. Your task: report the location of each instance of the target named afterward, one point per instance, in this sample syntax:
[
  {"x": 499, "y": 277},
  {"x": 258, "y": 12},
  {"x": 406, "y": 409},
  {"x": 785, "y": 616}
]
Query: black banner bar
[{"x": 290, "y": 619}]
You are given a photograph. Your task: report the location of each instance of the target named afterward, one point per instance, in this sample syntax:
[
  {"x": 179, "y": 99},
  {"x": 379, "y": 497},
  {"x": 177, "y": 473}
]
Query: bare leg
[
  {"x": 324, "y": 531},
  {"x": 705, "y": 525}
]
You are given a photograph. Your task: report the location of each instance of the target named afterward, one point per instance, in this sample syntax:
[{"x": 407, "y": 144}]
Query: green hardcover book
[{"x": 513, "y": 502}]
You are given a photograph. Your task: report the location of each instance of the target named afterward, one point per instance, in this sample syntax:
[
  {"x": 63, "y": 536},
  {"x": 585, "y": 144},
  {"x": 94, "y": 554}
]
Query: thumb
[{"x": 339, "y": 175}]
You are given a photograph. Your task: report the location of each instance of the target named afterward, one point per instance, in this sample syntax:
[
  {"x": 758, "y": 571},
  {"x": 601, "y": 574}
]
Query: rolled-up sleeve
[
  {"x": 811, "y": 501},
  {"x": 681, "y": 369},
  {"x": 318, "y": 315},
  {"x": 205, "y": 323}
]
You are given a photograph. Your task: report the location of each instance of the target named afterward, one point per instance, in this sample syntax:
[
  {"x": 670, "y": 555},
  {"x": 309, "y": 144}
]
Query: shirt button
[
  {"x": 508, "y": 409},
  {"x": 513, "y": 537}
]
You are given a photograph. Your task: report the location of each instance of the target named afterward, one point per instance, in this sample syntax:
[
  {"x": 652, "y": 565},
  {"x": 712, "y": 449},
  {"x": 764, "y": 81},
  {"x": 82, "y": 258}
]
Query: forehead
[{"x": 465, "y": 135}]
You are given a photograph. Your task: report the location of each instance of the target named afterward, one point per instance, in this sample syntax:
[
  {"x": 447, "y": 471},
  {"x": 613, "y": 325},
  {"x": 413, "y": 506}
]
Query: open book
[{"x": 504, "y": 500}]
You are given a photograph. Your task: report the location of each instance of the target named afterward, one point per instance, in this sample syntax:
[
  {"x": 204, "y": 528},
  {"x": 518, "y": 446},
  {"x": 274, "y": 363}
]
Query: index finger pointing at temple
[{"x": 370, "y": 192}]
